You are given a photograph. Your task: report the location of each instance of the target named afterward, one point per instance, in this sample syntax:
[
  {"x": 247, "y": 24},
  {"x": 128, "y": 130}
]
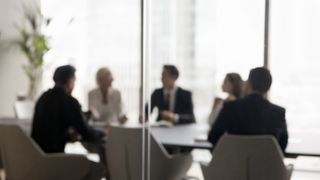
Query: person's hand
[
  {"x": 94, "y": 113},
  {"x": 88, "y": 115},
  {"x": 73, "y": 135},
  {"x": 123, "y": 119},
  {"x": 107, "y": 126},
  {"x": 168, "y": 116},
  {"x": 141, "y": 117}
]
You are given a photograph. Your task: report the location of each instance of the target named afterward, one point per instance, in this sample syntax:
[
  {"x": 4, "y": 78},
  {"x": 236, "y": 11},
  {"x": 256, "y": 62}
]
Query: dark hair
[
  {"x": 236, "y": 82},
  {"x": 63, "y": 73},
  {"x": 260, "y": 79},
  {"x": 172, "y": 70}
]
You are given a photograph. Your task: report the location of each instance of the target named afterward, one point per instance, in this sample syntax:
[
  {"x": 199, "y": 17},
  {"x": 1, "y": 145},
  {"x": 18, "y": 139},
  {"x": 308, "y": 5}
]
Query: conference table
[{"x": 305, "y": 143}]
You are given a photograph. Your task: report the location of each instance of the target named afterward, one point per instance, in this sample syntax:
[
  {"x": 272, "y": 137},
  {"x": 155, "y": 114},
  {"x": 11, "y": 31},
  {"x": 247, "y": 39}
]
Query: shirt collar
[{"x": 171, "y": 91}]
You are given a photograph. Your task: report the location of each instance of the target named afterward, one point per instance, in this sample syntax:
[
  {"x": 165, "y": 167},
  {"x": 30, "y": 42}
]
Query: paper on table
[
  {"x": 162, "y": 123},
  {"x": 201, "y": 138},
  {"x": 307, "y": 163},
  {"x": 155, "y": 123}
]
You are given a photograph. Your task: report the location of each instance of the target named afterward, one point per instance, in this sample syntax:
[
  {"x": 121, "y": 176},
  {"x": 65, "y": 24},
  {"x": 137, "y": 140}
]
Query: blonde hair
[{"x": 102, "y": 72}]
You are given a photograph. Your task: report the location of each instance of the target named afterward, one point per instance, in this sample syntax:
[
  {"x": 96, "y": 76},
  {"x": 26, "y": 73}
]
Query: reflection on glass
[
  {"x": 294, "y": 61},
  {"x": 91, "y": 35},
  {"x": 206, "y": 39}
]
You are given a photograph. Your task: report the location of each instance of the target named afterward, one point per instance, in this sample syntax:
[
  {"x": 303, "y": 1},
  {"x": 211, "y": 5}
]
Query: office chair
[
  {"x": 124, "y": 152},
  {"x": 23, "y": 159},
  {"x": 247, "y": 157}
]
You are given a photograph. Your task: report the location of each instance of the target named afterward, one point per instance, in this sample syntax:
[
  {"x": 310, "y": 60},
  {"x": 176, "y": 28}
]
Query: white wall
[{"x": 12, "y": 78}]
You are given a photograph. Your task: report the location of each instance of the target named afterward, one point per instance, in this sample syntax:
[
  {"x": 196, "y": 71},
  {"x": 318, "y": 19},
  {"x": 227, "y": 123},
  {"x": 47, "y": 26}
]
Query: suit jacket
[
  {"x": 56, "y": 112},
  {"x": 183, "y": 104},
  {"x": 251, "y": 115}
]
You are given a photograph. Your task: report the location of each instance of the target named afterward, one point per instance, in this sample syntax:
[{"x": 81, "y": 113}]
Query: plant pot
[{"x": 34, "y": 84}]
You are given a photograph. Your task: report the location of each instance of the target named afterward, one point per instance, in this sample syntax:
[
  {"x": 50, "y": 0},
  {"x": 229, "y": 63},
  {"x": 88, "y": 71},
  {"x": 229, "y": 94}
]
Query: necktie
[{"x": 167, "y": 102}]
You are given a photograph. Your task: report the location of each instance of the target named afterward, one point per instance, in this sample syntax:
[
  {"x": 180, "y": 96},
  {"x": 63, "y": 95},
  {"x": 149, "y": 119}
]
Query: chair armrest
[
  {"x": 180, "y": 160},
  {"x": 289, "y": 168},
  {"x": 61, "y": 166}
]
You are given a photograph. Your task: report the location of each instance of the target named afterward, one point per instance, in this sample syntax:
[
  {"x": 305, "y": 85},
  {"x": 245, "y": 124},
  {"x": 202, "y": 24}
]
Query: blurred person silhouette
[
  {"x": 105, "y": 102},
  {"x": 233, "y": 86},
  {"x": 58, "y": 117},
  {"x": 252, "y": 114},
  {"x": 174, "y": 104}
]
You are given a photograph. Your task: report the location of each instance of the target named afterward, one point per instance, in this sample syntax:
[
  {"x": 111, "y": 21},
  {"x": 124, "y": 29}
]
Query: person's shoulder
[
  {"x": 251, "y": 100},
  {"x": 73, "y": 102},
  {"x": 115, "y": 92},
  {"x": 158, "y": 91},
  {"x": 184, "y": 91},
  {"x": 44, "y": 96},
  {"x": 231, "y": 104},
  {"x": 277, "y": 108},
  {"x": 52, "y": 93},
  {"x": 47, "y": 92}
]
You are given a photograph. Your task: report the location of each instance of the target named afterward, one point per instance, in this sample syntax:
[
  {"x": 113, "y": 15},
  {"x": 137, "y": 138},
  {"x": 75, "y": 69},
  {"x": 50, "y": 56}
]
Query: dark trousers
[{"x": 100, "y": 149}]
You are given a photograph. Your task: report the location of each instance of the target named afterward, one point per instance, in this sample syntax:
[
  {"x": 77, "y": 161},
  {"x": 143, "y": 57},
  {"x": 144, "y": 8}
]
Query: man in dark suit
[
  {"x": 57, "y": 112},
  {"x": 174, "y": 103},
  {"x": 58, "y": 118},
  {"x": 253, "y": 114}
]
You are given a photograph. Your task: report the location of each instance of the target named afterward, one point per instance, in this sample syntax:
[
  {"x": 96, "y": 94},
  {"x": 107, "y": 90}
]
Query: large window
[
  {"x": 206, "y": 39},
  {"x": 92, "y": 34},
  {"x": 294, "y": 61}
]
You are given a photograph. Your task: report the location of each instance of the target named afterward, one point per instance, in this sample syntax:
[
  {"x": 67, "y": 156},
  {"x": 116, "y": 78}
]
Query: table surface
[
  {"x": 300, "y": 142},
  {"x": 183, "y": 136}
]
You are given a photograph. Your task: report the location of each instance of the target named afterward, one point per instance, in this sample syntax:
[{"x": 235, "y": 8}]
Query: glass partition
[
  {"x": 294, "y": 62},
  {"x": 91, "y": 35},
  {"x": 204, "y": 40}
]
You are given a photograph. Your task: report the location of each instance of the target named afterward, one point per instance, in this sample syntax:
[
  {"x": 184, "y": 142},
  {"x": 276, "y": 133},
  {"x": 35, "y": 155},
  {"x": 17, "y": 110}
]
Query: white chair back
[
  {"x": 125, "y": 150},
  {"x": 247, "y": 157}
]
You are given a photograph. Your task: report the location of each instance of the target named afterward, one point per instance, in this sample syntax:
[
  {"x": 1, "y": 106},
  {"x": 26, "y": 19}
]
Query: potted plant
[{"x": 34, "y": 45}]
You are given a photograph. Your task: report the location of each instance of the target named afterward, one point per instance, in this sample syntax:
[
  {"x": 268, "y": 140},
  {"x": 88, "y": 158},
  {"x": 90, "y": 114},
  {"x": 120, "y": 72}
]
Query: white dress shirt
[
  {"x": 172, "y": 101},
  {"x": 109, "y": 112},
  {"x": 172, "y": 93}
]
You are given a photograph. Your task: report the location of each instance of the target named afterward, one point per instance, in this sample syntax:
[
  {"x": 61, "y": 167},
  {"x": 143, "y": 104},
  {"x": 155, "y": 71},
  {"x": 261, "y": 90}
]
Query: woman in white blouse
[
  {"x": 105, "y": 102},
  {"x": 232, "y": 85}
]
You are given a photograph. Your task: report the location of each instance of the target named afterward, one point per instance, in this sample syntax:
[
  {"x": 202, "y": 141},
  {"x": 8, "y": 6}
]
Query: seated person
[
  {"x": 174, "y": 103},
  {"x": 233, "y": 85},
  {"x": 56, "y": 112},
  {"x": 253, "y": 114},
  {"x": 105, "y": 102}
]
